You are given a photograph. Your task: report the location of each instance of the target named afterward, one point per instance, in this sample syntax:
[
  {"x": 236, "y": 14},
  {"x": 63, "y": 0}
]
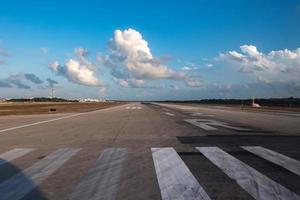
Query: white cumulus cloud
[
  {"x": 131, "y": 61},
  {"x": 78, "y": 70},
  {"x": 275, "y": 66}
]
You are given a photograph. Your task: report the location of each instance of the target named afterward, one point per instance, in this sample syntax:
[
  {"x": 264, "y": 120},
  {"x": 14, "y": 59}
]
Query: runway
[{"x": 151, "y": 151}]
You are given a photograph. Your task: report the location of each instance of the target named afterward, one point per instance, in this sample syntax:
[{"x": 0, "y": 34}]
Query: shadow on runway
[{"x": 14, "y": 185}]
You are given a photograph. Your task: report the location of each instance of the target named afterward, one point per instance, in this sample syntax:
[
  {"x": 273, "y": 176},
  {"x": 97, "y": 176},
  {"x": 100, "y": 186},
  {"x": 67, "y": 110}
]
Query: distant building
[
  {"x": 2, "y": 100},
  {"x": 91, "y": 100}
]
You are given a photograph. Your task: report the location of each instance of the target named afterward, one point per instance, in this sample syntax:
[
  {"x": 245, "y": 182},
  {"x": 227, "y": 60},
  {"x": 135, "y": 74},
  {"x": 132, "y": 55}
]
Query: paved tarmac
[{"x": 151, "y": 151}]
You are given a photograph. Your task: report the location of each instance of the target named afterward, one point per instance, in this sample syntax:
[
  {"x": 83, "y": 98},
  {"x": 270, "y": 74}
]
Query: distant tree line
[
  {"x": 283, "y": 102},
  {"x": 41, "y": 99}
]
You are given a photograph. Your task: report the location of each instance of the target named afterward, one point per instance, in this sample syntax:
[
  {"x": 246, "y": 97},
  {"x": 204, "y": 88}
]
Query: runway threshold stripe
[
  {"x": 103, "y": 179},
  {"x": 274, "y": 157},
  {"x": 14, "y": 154},
  {"x": 252, "y": 181},
  {"x": 170, "y": 114},
  {"x": 174, "y": 178},
  {"x": 25, "y": 181}
]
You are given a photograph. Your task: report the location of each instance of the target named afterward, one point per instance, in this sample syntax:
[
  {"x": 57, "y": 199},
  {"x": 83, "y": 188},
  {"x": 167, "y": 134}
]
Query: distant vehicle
[{"x": 255, "y": 105}]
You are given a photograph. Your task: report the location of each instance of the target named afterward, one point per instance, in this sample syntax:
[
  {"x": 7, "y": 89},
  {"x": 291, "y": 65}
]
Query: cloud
[
  {"x": 130, "y": 60},
  {"x": 16, "y": 80},
  {"x": 33, "y": 78},
  {"x": 188, "y": 68},
  {"x": 81, "y": 51},
  {"x": 5, "y": 84},
  {"x": 51, "y": 83},
  {"x": 3, "y": 54},
  {"x": 209, "y": 65},
  {"x": 192, "y": 82},
  {"x": 220, "y": 87},
  {"x": 276, "y": 66},
  {"x": 44, "y": 50},
  {"x": 174, "y": 87},
  {"x": 251, "y": 59},
  {"x": 13, "y": 80},
  {"x": 103, "y": 92},
  {"x": 77, "y": 70},
  {"x": 133, "y": 83}
]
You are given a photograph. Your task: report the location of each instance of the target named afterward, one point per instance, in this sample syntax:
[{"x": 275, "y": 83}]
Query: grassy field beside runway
[{"x": 49, "y": 107}]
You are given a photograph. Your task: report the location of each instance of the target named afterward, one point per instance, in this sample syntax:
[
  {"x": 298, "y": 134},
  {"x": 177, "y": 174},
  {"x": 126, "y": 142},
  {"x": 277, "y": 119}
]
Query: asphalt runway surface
[{"x": 151, "y": 151}]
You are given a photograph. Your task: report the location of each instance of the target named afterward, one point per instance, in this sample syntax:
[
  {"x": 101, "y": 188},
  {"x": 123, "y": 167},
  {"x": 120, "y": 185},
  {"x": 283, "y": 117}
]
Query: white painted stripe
[
  {"x": 127, "y": 108},
  {"x": 210, "y": 125},
  {"x": 22, "y": 183},
  {"x": 168, "y": 113},
  {"x": 38, "y": 123},
  {"x": 274, "y": 157},
  {"x": 291, "y": 114},
  {"x": 252, "y": 181},
  {"x": 200, "y": 114},
  {"x": 103, "y": 179},
  {"x": 200, "y": 125},
  {"x": 174, "y": 178},
  {"x": 14, "y": 154},
  {"x": 133, "y": 108},
  {"x": 139, "y": 108},
  {"x": 47, "y": 121}
]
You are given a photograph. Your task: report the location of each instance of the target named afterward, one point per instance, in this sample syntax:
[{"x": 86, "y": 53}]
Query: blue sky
[{"x": 150, "y": 50}]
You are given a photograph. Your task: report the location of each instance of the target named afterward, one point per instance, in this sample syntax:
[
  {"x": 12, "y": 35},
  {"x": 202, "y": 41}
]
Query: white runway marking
[
  {"x": 102, "y": 180},
  {"x": 274, "y": 157},
  {"x": 14, "y": 154},
  {"x": 134, "y": 107},
  {"x": 200, "y": 114},
  {"x": 41, "y": 122},
  {"x": 168, "y": 113},
  {"x": 291, "y": 114},
  {"x": 255, "y": 183},
  {"x": 47, "y": 121},
  {"x": 210, "y": 125},
  {"x": 22, "y": 183},
  {"x": 174, "y": 178}
]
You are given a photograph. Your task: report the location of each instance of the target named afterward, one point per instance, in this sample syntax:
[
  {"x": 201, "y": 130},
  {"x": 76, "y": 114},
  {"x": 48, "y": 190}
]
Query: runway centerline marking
[
  {"x": 25, "y": 181},
  {"x": 210, "y": 125},
  {"x": 103, "y": 179},
  {"x": 256, "y": 184},
  {"x": 134, "y": 108},
  {"x": 174, "y": 177},
  {"x": 14, "y": 154},
  {"x": 168, "y": 113},
  {"x": 274, "y": 157}
]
